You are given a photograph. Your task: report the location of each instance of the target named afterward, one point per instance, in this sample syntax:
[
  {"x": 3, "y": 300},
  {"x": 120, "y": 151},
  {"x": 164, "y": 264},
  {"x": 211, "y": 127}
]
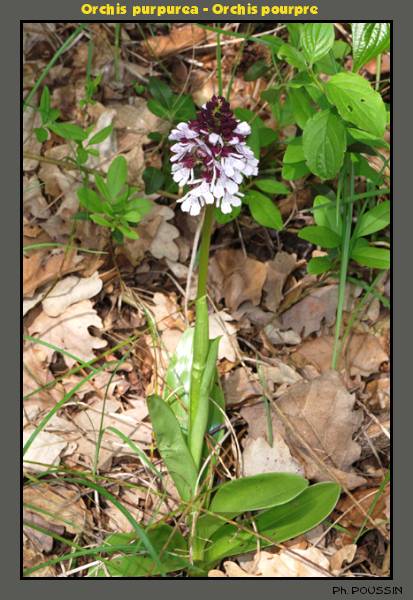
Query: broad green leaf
[
  {"x": 161, "y": 92},
  {"x": 172, "y": 447},
  {"x": 294, "y": 33},
  {"x": 301, "y": 106},
  {"x": 117, "y": 175},
  {"x": 374, "y": 220},
  {"x": 222, "y": 218},
  {"x": 294, "y": 57},
  {"x": 325, "y": 214},
  {"x": 367, "y": 138},
  {"x": 167, "y": 542},
  {"x": 320, "y": 236},
  {"x": 142, "y": 205},
  {"x": 280, "y": 523},
  {"x": 271, "y": 186},
  {"x": 317, "y": 39},
  {"x": 363, "y": 169},
  {"x": 324, "y": 144},
  {"x": 157, "y": 109},
  {"x": 291, "y": 172},
  {"x": 266, "y": 136},
  {"x": 357, "y": 102},
  {"x": 369, "y": 40},
  {"x": 101, "y": 135},
  {"x": 294, "y": 152},
  {"x": 263, "y": 210},
  {"x": 256, "y": 70},
  {"x": 319, "y": 264},
  {"x": 153, "y": 179},
  {"x": 68, "y": 131},
  {"x": 132, "y": 216},
  {"x": 183, "y": 108},
  {"x": 81, "y": 155},
  {"x": 257, "y": 492},
  {"x": 89, "y": 199},
  {"x": 370, "y": 256}
]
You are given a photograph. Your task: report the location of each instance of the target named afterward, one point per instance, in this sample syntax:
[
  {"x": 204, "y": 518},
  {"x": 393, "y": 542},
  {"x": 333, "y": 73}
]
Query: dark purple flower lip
[{"x": 216, "y": 117}]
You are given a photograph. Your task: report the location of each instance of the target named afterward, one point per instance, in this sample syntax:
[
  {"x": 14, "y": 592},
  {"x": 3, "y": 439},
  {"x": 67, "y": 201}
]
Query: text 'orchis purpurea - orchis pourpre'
[{"x": 211, "y": 156}]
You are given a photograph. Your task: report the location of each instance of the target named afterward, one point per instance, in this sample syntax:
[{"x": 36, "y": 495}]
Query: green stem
[
  {"x": 204, "y": 251},
  {"x": 345, "y": 257}
]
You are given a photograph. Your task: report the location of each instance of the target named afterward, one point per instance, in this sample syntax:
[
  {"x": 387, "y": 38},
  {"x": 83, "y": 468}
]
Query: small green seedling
[{"x": 115, "y": 204}]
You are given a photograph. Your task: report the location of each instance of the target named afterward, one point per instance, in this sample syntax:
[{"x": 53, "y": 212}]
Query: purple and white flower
[{"x": 210, "y": 156}]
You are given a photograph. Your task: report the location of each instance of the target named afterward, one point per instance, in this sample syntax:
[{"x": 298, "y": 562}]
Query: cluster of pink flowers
[{"x": 211, "y": 156}]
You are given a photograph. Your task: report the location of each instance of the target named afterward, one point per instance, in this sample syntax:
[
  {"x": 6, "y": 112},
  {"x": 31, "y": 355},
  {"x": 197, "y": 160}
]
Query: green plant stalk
[{"x": 345, "y": 256}]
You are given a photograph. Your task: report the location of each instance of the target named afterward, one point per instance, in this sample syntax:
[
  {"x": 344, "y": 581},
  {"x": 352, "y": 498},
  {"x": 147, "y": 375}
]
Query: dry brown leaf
[
  {"x": 89, "y": 423},
  {"x": 286, "y": 564},
  {"x": 362, "y": 355},
  {"x": 279, "y": 338},
  {"x": 167, "y": 312},
  {"x": 40, "y": 268},
  {"x": 155, "y": 235},
  {"x": 354, "y": 517},
  {"x": 58, "y": 505},
  {"x": 260, "y": 457},
  {"x": 36, "y": 374},
  {"x": 239, "y": 385},
  {"x": 321, "y": 414},
  {"x": 70, "y": 290},
  {"x": 180, "y": 38},
  {"x": 34, "y": 203},
  {"x": 219, "y": 326},
  {"x": 45, "y": 450},
  {"x": 31, "y": 119},
  {"x": 307, "y": 315},
  {"x": 278, "y": 271},
  {"x": 339, "y": 559},
  {"x": 237, "y": 278},
  {"x": 31, "y": 558},
  {"x": 70, "y": 332}
]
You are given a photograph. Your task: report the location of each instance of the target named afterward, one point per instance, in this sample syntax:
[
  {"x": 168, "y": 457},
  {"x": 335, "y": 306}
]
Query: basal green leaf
[
  {"x": 257, "y": 492},
  {"x": 319, "y": 264},
  {"x": 324, "y": 144},
  {"x": 172, "y": 447},
  {"x": 280, "y": 524}
]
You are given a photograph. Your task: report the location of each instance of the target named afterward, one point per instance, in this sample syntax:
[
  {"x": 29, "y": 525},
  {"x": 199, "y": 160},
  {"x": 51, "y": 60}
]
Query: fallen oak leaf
[
  {"x": 70, "y": 332},
  {"x": 70, "y": 290}
]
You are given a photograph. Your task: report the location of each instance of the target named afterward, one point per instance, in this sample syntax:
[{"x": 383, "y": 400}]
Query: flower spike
[{"x": 210, "y": 155}]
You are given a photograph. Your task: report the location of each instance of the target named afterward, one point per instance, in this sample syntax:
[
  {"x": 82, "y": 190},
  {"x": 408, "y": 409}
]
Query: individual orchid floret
[{"x": 210, "y": 155}]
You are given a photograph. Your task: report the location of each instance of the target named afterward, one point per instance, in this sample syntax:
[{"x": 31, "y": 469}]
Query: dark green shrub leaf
[
  {"x": 89, "y": 199},
  {"x": 357, "y": 102},
  {"x": 370, "y": 256},
  {"x": 101, "y": 135},
  {"x": 318, "y": 265},
  {"x": 317, "y": 39},
  {"x": 271, "y": 186},
  {"x": 374, "y": 220},
  {"x": 369, "y": 40},
  {"x": 263, "y": 210},
  {"x": 41, "y": 134},
  {"x": 153, "y": 179},
  {"x": 256, "y": 70},
  {"x": 320, "y": 236},
  {"x": 159, "y": 90},
  {"x": 324, "y": 144},
  {"x": 293, "y": 56},
  {"x": 100, "y": 220},
  {"x": 68, "y": 131},
  {"x": 117, "y": 176},
  {"x": 301, "y": 106}
]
